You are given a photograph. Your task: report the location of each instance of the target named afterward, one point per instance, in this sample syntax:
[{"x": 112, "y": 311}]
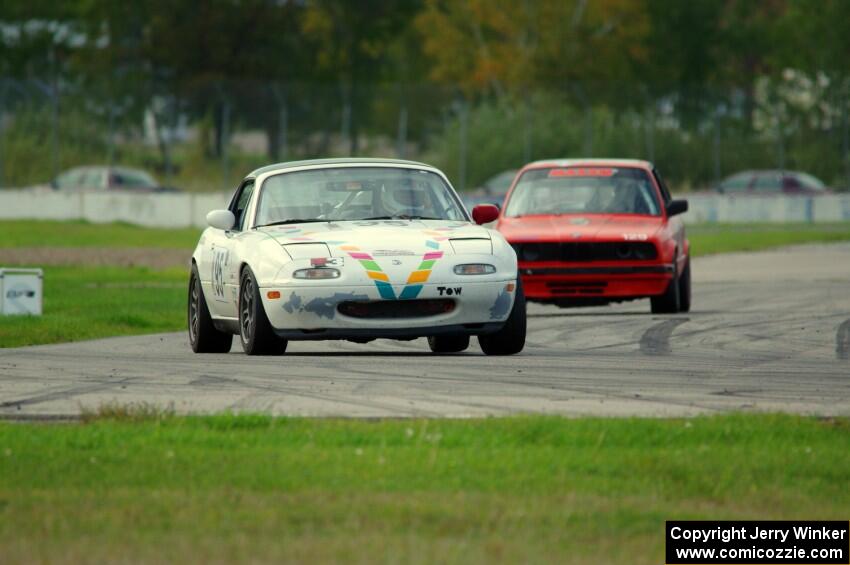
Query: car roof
[
  {"x": 770, "y": 172},
  {"x": 337, "y": 161},
  {"x": 105, "y": 168},
  {"x": 592, "y": 162}
]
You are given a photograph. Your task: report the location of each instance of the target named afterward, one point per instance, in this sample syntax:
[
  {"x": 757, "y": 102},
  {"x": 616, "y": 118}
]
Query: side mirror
[
  {"x": 485, "y": 213},
  {"x": 677, "y": 207},
  {"x": 221, "y": 219}
]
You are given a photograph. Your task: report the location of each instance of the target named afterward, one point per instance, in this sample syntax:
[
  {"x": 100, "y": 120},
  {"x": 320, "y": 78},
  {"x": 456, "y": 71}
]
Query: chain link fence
[{"x": 207, "y": 138}]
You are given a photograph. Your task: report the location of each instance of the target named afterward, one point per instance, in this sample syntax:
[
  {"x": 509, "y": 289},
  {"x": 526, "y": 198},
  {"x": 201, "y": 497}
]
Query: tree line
[{"x": 304, "y": 71}]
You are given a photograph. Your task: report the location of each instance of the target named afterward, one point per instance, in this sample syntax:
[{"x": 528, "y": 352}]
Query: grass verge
[
  {"x": 43, "y": 233},
  {"x": 91, "y": 302},
  {"x": 709, "y": 239},
  {"x": 256, "y": 489}
]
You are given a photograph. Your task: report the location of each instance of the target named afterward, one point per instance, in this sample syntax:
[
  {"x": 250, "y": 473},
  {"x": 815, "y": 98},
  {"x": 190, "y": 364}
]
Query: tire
[
  {"x": 669, "y": 302},
  {"x": 510, "y": 339},
  {"x": 203, "y": 336},
  {"x": 685, "y": 288},
  {"x": 255, "y": 331},
  {"x": 448, "y": 343}
]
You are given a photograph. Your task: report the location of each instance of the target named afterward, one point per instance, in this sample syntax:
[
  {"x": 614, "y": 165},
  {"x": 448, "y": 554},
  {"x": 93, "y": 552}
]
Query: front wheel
[
  {"x": 669, "y": 302},
  {"x": 255, "y": 330},
  {"x": 685, "y": 288},
  {"x": 510, "y": 339},
  {"x": 203, "y": 335}
]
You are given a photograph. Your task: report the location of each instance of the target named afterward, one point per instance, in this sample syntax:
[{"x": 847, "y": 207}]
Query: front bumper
[
  {"x": 312, "y": 311},
  {"x": 614, "y": 281}
]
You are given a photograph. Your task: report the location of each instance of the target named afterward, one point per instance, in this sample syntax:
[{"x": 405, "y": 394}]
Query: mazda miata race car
[
  {"x": 354, "y": 249},
  {"x": 590, "y": 232}
]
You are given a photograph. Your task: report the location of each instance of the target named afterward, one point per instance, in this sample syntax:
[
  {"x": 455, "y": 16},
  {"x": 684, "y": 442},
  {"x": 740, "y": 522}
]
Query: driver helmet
[
  {"x": 405, "y": 199},
  {"x": 623, "y": 199}
]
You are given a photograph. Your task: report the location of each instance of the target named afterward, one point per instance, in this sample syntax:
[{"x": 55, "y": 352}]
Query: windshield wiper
[
  {"x": 291, "y": 221},
  {"x": 400, "y": 217}
]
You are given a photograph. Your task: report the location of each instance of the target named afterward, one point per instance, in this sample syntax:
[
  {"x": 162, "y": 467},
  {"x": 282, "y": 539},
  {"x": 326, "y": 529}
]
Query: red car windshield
[{"x": 583, "y": 190}]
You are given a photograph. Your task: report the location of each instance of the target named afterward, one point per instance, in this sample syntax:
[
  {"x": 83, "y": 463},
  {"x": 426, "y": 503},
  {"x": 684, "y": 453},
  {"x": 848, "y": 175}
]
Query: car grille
[
  {"x": 586, "y": 252},
  {"x": 389, "y": 309},
  {"x": 559, "y": 288}
]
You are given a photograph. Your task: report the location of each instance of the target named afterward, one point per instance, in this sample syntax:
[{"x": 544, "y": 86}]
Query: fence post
[
  {"x": 464, "y": 127},
  {"x": 845, "y": 135},
  {"x": 110, "y": 139},
  {"x": 283, "y": 130},
  {"x": 649, "y": 133},
  {"x": 54, "y": 96},
  {"x": 2, "y": 128},
  {"x": 281, "y": 99},
  {"x": 717, "y": 173},
  {"x": 528, "y": 130},
  {"x": 345, "y": 124},
  {"x": 401, "y": 135},
  {"x": 225, "y": 138}
]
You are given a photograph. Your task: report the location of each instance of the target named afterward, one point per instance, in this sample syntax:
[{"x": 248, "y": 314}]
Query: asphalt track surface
[{"x": 768, "y": 332}]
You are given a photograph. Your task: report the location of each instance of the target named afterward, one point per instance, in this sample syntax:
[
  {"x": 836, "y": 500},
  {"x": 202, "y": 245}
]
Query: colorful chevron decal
[
  {"x": 419, "y": 277},
  {"x": 382, "y": 281},
  {"x": 415, "y": 281}
]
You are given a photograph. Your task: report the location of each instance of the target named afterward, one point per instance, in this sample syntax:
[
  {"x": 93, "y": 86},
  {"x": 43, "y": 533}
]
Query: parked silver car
[
  {"x": 772, "y": 182},
  {"x": 99, "y": 178}
]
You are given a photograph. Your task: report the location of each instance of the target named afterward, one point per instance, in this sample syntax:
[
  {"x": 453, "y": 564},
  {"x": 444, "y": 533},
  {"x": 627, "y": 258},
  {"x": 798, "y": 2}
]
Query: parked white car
[{"x": 354, "y": 249}]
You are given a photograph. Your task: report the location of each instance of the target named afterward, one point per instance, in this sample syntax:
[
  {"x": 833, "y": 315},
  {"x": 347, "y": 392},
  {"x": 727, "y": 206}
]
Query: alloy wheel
[
  {"x": 194, "y": 305},
  {"x": 247, "y": 310}
]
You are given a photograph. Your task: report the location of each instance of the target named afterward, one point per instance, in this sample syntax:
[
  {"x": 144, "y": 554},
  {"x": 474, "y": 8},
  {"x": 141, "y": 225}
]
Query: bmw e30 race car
[
  {"x": 354, "y": 249},
  {"x": 594, "y": 231}
]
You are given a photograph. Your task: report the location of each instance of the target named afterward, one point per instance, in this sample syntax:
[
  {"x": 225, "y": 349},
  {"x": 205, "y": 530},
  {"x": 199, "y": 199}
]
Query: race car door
[{"x": 223, "y": 292}]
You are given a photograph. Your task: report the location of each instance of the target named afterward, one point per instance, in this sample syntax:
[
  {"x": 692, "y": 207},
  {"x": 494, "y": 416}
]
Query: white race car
[{"x": 354, "y": 249}]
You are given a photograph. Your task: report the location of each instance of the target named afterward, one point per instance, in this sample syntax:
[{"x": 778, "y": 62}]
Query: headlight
[
  {"x": 316, "y": 273},
  {"x": 645, "y": 251},
  {"x": 474, "y": 269},
  {"x": 623, "y": 251}
]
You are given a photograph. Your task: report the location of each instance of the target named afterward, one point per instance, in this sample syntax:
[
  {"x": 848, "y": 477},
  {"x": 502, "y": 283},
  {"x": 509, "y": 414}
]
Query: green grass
[
  {"x": 708, "y": 239},
  {"x": 91, "y": 302},
  {"x": 143, "y": 488},
  {"x": 42, "y": 233}
]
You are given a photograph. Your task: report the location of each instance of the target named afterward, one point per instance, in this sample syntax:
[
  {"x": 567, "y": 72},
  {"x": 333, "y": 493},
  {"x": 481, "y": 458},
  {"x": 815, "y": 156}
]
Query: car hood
[
  {"x": 379, "y": 237},
  {"x": 578, "y": 227}
]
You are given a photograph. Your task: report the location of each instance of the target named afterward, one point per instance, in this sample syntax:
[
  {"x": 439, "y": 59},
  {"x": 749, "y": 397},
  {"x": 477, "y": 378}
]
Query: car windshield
[
  {"x": 356, "y": 193},
  {"x": 583, "y": 190}
]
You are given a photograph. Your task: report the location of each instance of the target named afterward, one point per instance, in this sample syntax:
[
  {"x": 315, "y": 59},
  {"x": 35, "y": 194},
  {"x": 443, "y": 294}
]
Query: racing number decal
[{"x": 221, "y": 259}]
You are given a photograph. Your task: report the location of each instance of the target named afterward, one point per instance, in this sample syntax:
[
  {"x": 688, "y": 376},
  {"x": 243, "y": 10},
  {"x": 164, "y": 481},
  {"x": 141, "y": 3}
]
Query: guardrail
[
  {"x": 780, "y": 209},
  {"x": 166, "y": 210},
  {"x": 171, "y": 210}
]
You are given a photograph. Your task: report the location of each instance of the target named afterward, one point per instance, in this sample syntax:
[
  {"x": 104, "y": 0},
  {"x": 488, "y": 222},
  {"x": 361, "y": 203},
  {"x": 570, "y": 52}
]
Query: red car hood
[{"x": 578, "y": 227}]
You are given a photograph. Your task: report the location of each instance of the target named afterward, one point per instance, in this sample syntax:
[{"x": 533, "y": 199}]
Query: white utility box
[{"x": 21, "y": 291}]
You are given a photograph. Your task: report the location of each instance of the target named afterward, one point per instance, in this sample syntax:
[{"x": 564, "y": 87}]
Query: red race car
[{"x": 591, "y": 232}]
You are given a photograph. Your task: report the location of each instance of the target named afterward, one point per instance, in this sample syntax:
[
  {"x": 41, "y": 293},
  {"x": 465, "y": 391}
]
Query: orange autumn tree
[{"x": 506, "y": 46}]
